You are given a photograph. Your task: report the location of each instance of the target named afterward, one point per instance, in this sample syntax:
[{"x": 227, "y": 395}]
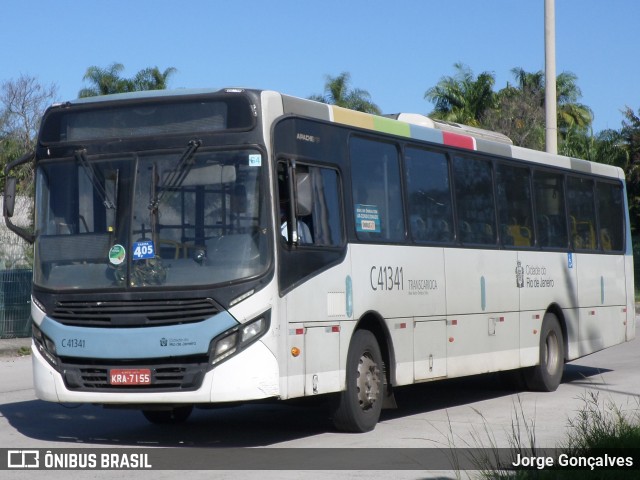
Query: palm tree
[
  {"x": 529, "y": 81},
  {"x": 105, "y": 81},
  {"x": 462, "y": 98},
  {"x": 519, "y": 113},
  {"x": 570, "y": 112},
  {"x": 108, "y": 80},
  {"x": 337, "y": 91},
  {"x": 152, "y": 78}
]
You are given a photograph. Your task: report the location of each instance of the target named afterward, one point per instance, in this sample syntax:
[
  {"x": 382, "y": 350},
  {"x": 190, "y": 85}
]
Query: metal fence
[
  {"x": 15, "y": 276},
  {"x": 15, "y": 303}
]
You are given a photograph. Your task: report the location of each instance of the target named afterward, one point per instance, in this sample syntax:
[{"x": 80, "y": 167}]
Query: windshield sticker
[
  {"x": 367, "y": 218},
  {"x": 255, "y": 160},
  {"x": 117, "y": 254},
  {"x": 143, "y": 250}
]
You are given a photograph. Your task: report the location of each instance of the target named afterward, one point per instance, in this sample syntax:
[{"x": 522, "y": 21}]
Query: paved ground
[{"x": 14, "y": 347}]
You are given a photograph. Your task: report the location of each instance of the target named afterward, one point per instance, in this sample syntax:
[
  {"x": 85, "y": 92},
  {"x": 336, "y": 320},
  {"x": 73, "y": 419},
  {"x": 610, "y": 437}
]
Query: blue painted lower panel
[{"x": 129, "y": 343}]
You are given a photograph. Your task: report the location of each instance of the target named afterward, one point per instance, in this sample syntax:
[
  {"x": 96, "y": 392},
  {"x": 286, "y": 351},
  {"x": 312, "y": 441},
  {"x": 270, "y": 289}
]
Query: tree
[
  {"x": 337, "y": 91},
  {"x": 630, "y": 137},
  {"x": 106, "y": 81},
  {"x": 519, "y": 112},
  {"x": 570, "y": 112},
  {"x": 152, "y": 79},
  {"x": 463, "y": 98},
  {"x": 22, "y": 103}
]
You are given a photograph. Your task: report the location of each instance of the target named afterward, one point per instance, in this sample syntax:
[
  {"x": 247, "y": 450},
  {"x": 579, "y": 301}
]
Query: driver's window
[{"x": 317, "y": 206}]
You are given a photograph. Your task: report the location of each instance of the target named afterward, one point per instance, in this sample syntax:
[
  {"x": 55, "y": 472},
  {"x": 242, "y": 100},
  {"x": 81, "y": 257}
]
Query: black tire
[
  {"x": 169, "y": 416},
  {"x": 546, "y": 376},
  {"x": 358, "y": 408}
]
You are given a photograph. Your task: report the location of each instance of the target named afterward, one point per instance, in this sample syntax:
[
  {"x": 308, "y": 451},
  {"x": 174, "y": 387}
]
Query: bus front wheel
[
  {"x": 358, "y": 407},
  {"x": 546, "y": 376}
]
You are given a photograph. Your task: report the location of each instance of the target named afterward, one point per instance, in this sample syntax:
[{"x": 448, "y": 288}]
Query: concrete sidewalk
[{"x": 15, "y": 347}]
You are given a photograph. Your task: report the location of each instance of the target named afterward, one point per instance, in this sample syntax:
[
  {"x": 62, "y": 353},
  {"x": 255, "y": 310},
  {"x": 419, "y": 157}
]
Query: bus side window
[
  {"x": 429, "y": 196},
  {"x": 377, "y": 196},
  {"x": 582, "y": 213},
  {"x": 551, "y": 219},
  {"x": 514, "y": 206},
  {"x": 611, "y": 216},
  {"x": 318, "y": 206},
  {"x": 474, "y": 199}
]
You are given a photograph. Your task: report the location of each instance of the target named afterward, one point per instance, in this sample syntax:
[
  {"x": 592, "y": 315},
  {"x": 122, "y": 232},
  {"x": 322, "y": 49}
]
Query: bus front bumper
[{"x": 252, "y": 374}]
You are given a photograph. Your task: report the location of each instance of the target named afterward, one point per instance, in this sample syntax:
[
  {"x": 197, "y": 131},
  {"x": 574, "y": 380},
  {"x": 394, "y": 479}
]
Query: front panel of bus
[{"x": 152, "y": 221}]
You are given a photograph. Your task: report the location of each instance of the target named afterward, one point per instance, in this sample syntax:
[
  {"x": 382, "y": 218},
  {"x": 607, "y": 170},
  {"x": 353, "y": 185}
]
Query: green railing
[{"x": 15, "y": 303}]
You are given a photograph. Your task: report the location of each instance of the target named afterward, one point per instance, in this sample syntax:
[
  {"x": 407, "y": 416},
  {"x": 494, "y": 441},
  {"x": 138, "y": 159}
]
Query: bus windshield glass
[{"x": 173, "y": 218}]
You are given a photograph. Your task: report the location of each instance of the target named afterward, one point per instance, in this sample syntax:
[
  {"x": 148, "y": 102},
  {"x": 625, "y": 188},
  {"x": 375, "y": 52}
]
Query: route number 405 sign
[{"x": 143, "y": 250}]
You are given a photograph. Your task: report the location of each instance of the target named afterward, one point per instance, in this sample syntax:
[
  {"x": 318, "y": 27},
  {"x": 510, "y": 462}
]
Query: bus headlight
[
  {"x": 45, "y": 345},
  {"x": 225, "y": 346},
  {"x": 234, "y": 340},
  {"x": 252, "y": 330}
]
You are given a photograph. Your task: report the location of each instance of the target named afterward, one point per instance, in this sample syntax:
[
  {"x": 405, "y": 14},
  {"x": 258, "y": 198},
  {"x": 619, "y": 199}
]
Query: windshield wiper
[
  {"x": 96, "y": 180},
  {"x": 177, "y": 176}
]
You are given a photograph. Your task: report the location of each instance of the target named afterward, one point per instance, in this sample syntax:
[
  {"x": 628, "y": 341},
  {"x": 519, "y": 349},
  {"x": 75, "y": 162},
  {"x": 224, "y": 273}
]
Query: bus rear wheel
[
  {"x": 546, "y": 376},
  {"x": 358, "y": 407},
  {"x": 168, "y": 416}
]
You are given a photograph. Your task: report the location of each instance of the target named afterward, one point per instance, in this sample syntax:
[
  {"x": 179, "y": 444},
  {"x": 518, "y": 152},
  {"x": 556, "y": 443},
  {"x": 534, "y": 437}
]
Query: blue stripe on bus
[
  {"x": 147, "y": 342},
  {"x": 428, "y": 134}
]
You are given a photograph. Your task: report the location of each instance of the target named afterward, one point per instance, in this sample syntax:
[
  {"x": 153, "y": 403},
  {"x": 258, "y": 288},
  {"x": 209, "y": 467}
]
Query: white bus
[{"x": 205, "y": 247}]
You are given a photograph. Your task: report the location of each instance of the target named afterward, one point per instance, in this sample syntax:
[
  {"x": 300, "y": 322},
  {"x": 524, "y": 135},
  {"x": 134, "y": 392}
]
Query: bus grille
[
  {"x": 166, "y": 377},
  {"x": 134, "y": 313}
]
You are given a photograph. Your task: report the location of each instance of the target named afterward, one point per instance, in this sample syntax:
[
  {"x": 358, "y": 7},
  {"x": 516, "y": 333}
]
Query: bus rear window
[{"x": 145, "y": 118}]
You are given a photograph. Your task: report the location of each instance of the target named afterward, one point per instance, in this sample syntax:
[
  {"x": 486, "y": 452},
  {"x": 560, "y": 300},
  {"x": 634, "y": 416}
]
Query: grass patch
[
  {"x": 599, "y": 427},
  {"x": 23, "y": 351},
  {"x": 602, "y": 425}
]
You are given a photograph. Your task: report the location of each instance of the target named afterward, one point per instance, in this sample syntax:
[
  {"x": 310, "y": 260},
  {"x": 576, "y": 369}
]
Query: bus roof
[
  {"x": 420, "y": 127},
  {"x": 115, "y": 97}
]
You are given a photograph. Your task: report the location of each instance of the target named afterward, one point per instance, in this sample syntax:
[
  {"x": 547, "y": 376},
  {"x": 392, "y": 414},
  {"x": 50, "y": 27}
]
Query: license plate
[{"x": 130, "y": 376}]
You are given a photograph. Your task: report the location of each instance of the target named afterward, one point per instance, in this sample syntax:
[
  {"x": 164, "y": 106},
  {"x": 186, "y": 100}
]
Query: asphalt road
[{"x": 463, "y": 413}]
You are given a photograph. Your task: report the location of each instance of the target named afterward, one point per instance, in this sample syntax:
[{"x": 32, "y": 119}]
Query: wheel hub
[{"x": 368, "y": 382}]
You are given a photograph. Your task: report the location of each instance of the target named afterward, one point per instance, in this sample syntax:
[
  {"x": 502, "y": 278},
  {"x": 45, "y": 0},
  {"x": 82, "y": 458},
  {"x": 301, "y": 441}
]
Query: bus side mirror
[
  {"x": 9, "y": 196},
  {"x": 9, "y": 204}
]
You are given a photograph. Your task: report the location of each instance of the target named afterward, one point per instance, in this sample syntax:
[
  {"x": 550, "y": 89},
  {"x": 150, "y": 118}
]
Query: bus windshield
[{"x": 172, "y": 218}]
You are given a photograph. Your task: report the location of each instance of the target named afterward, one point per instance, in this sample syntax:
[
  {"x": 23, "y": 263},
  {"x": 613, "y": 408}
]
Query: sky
[{"x": 395, "y": 50}]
